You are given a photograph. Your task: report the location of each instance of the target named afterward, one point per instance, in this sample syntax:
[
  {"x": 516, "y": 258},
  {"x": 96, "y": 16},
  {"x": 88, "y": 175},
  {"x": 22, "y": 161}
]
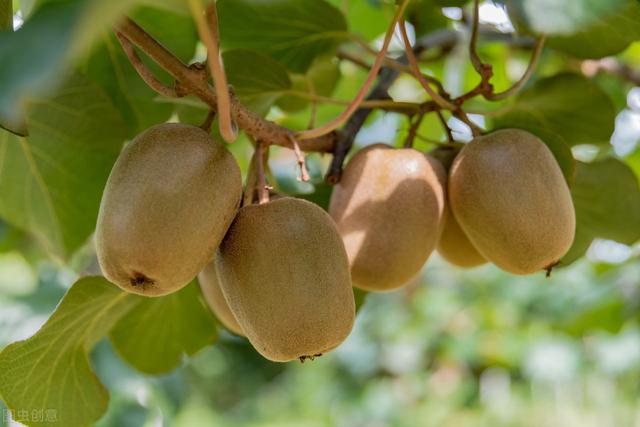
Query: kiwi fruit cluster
[{"x": 281, "y": 273}]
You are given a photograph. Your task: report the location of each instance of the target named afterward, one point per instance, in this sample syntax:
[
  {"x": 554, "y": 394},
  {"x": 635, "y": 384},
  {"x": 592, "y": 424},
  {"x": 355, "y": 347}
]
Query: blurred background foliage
[{"x": 453, "y": 348}]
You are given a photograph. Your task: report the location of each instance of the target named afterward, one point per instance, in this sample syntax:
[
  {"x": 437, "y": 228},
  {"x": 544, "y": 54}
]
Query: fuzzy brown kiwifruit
[
  {"x": 285, "y": 275},
  {"x": 389, "y": 207},
  {"x": 169, "y": 200},
  {"x": 212, "y": 292},
  {"x": 509, "y": 196},
  {"x": 454, "y": 245}
]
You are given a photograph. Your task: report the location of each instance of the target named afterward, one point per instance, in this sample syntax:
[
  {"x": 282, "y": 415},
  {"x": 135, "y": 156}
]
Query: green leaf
[
  {"x": 567, "y": 105},
  {"x": 561, "y": 17},
  {"x": 55, "y": 35},
  {"x": 368, "y": 18},
  {"x": 321, "y": 79},
  {"x": 563, "y": 110},
  {"x": 606, "y": 197},
  {"x": 110, "y": 68},
  {"x": 50, "y": 371},
  {"x": 154, "y": 336},
  {"x": 608, "y": 35},
  {"x": 607, "y": 314},
  {"x": 292, "y": 31},
  {"x": 451, "y": 3},
  {"x": 51, "y": 182},
  {"x": 257, "y": 90},
  {"x": 426, "y": 17}
]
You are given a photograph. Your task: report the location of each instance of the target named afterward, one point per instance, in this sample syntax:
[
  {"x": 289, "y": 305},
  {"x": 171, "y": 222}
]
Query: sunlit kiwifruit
[
  {"x": 510, "y": 198},
  {"x": 285, "y": 275},
  {"x": 212, "y": 292},
  {"x": 388, "y": 208},
  {"x": 170, "y": 198}
]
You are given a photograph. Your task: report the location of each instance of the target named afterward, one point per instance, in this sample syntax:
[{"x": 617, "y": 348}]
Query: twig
[
  {"x": 462, "y": 116},
  {"x": 362, "y": 63},
  {"x": 382, "y": 104},
  {"x": 413, "y": 130},
  {"x": 446, "y": 127},
  {"x": 252, "y": 180},
  {"x": 304, "y": 173},
  {"x": 484, "y": 70},
  {"x": 193, "y": 81},
  {"x": 517, "y": 86},
  {"x": 314, "y": 104},
  {"x": 442, "y": 102},
  {"x": 263, "y": 189},
  {"x": 209, "y": 36},
  {"x": 142, "y": 69},
  {"x": 348, "y": 133},
  {"x": 342, "y": 118},
  {"x": 208, "y": 121}
]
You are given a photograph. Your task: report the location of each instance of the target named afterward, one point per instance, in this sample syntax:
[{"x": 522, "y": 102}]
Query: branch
[
  {"x": 441, "y": 101},
  {"x": 413, "y": 130},
  {"x": 142, "y": 69},
  {"x": 347, "y": 135},
  {"x": 342, "y": 118},
  {"x": 209, "y": 37},
  {"x": 194, "y": 81},
  {"x": 484, "y": 70},
  {"x": 263, "y": 189},
  {"x": 517, "y": 86}
]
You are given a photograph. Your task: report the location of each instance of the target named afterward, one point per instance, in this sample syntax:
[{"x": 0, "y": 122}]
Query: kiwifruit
[
  {"x": 454, "y": 245},
  {"x": 169, "y": 199},
  {"x": 388, "y": 208},
  {"x": 212, "y": 292},
  {"x": 510, "y": 198},
  {"x": 285, "y": 275}
]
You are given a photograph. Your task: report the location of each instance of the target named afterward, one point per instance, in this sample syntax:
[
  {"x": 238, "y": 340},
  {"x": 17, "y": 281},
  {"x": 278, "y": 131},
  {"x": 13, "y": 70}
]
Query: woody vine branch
[{"x": 193, "y": 79}]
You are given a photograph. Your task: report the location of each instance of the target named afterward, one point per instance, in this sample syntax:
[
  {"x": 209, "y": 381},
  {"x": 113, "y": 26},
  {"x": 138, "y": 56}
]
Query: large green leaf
[
  {"x": 49, "y": 373},
  {"x": 608, "y": 35},
  {"x": 567, "y": 105},
  {"x": 321, "y": 79},
  {"x": 292, "y": 31},
  {"x": 606, "y": 197},
  {"x": 369, "y": 18},
  {"x": 35, "y": 57},
  {"x": 426, "y": 17},
  {"x": 155, "y": 335},
  {"x": 110, "y": 68},
  {"x": 51, "y": 181},
  {"x": 258, "y": 90},
  {"x": 561, "y": 17}
]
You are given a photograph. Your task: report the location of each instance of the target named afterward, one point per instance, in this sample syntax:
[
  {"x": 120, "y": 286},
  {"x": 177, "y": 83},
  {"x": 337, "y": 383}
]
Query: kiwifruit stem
[
  {"x": 263, "y": 190},
  {"x": 209, "y": 35}
]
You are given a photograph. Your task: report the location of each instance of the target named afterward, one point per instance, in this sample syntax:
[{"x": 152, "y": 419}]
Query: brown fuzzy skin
[
  {"x": 285, "y": 274},
  {"x": 388, "y": 207},
  {"x": 455, "y": 247},
  {"x": 212, "y": 292},
  {"x": 510, "y": 198},
  {"x": 170, "y": 198}
]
